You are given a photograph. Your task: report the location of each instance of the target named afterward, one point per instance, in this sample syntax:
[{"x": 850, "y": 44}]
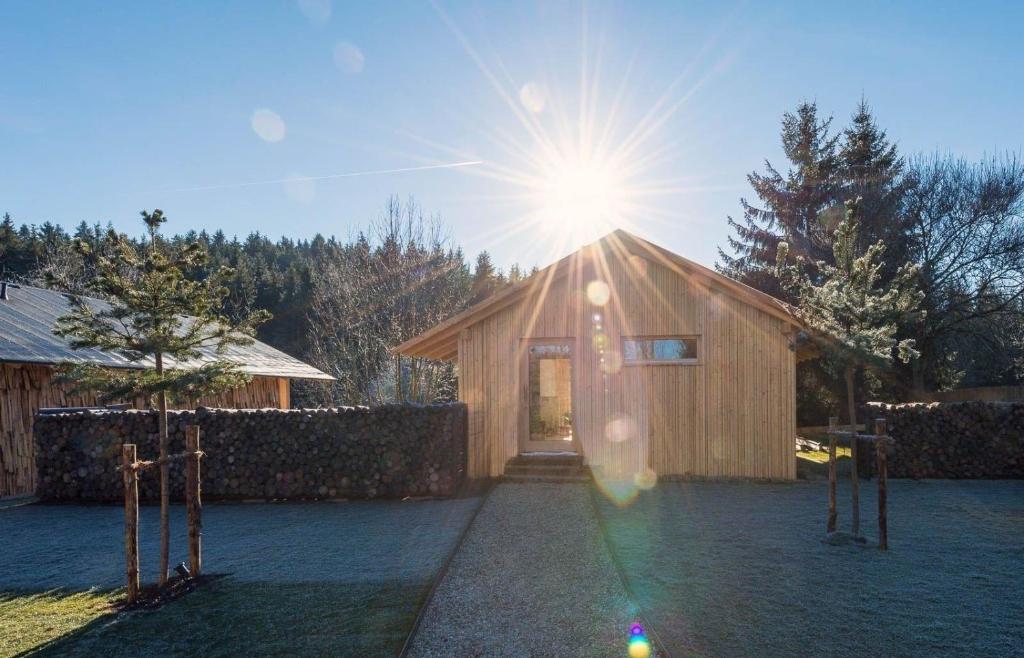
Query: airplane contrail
[{"x": 351, "y": 174}]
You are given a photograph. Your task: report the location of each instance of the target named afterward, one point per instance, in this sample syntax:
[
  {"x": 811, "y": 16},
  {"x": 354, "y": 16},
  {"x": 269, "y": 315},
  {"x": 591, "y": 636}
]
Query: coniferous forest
[{"x": 960, "y": 222}]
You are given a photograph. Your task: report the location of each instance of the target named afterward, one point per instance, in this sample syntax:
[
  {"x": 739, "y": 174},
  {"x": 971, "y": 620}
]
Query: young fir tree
[
  {"x": 849, "y": 315},
  {"x": 157, "y": 317}
]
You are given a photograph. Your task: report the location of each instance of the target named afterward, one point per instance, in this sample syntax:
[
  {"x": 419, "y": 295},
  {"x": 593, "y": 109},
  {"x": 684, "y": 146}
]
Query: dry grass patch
[{"x": 30, "y": 621}]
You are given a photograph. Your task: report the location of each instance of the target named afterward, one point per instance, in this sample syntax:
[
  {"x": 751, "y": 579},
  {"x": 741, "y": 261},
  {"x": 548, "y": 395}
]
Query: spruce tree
[
  {"x": 872, "y": 170},
  {"x": 159, "y": 318},
  {"x": 851, "y": 316},
  {"x": 795, "y": 207}
]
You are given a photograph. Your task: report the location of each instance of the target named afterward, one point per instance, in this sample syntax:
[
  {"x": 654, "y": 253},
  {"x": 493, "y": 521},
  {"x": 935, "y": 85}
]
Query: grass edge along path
[{"x": 443, "y": 571}]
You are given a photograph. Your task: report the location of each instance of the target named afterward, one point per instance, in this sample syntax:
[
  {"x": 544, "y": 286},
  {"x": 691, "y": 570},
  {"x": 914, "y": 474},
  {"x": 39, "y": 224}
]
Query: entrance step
[
  {"x": 546, "y": 467},
  {"x": 547, "y": 458}
]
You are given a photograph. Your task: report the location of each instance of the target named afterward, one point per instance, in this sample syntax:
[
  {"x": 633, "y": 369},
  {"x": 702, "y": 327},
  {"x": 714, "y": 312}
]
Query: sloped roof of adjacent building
[
  {"x": 28, "y": 315},
  {"x": 441, "y": 341}
]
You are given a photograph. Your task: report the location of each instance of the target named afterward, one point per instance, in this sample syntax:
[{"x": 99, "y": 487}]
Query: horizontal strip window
[{"x": 657, "y": 350}]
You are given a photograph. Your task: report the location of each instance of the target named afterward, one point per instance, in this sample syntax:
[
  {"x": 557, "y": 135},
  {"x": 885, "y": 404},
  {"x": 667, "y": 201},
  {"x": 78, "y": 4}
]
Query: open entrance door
[{"x": 546, "y": 415}]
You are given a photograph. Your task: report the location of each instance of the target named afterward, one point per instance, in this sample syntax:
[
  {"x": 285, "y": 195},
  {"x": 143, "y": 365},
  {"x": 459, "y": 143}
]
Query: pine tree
[
  {"x": 850, "y": 316},
  {"x": 796, "y": 207},
  {"x": 154, "y": 315},
  {"x": 486, "y": 279}
]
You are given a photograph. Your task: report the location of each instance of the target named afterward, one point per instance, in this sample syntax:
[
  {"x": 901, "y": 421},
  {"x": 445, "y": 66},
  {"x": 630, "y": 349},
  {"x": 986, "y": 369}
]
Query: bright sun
[
  {"x": 583, "y": 157},
  {"x": 581, "y": 191},
  {"x": 581, "y": 198}
]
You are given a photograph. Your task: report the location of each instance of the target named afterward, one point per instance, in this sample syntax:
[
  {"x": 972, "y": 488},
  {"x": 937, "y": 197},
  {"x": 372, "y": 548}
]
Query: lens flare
[
  {"x": 638, "y": 265},
  {"x": 645, "y": 479},
  {"x": 598, "y": 293},
  {"x": 268, "y": 125},
  {"x": 621, "y": 491},
  {"x": 612, "y": 362},
  {"x": 620, "y": 428},
  {"x": 348, "y": 57},
  {"x": 317, "y": 11},
  {"x": 639, "y": 647},
  {"x": 532, "y": 97}
]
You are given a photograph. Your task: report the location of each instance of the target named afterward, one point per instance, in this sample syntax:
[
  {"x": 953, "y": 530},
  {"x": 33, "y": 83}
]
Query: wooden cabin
[
  {"x": 638, "y": 360},
  {"x": 29, "y": 351}
]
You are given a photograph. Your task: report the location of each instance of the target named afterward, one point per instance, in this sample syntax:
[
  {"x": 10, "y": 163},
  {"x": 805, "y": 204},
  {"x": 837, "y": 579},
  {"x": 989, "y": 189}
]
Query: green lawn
[{"x": 821, "y": 456}]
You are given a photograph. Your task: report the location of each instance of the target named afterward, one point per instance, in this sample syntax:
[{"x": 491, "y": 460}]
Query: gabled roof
[
  {"x": 441, "y": 341},
  {"x": 28, "y": 315}
]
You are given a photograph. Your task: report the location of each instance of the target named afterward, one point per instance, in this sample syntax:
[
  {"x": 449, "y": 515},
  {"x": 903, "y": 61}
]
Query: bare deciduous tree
[
  {"x": 379, "y": 291},
  {"x": 965, "y": 227}
]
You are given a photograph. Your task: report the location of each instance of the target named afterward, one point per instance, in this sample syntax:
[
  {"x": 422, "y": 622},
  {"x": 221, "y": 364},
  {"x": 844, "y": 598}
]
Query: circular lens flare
[{"x": 598, "y": 293}]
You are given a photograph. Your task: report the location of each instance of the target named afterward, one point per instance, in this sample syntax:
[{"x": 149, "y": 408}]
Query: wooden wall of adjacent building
[
  {"x": 26, "y": 388},
  {"x": 732, "y": 414}
]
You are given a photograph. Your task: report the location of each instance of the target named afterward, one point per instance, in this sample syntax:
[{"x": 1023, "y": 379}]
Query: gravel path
[{"x": 533, "y": 578}]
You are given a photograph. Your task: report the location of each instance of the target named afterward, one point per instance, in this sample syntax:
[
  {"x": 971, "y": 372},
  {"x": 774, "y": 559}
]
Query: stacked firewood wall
[
  {"x": 26, "y": 388},
  {"x": 389, "y": 451},
  {"x": 954, "y": 439}
]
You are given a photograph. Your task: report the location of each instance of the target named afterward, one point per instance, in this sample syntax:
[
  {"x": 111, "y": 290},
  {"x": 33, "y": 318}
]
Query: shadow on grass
[{"x": 235, "y": 618}]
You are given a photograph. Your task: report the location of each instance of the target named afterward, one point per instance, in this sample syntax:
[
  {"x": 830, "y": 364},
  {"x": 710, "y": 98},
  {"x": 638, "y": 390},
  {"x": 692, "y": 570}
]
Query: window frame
[{"x": 695, "y": 361}]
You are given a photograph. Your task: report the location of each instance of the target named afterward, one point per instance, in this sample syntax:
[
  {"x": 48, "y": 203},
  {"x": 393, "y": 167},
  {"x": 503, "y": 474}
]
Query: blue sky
[{"x": 107, "y": 108}]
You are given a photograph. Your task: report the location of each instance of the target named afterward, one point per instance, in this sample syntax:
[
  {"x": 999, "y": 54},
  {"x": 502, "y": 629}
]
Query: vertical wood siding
[
  {"x": 26, "y": 388},
  {"x": 732, "y": 414}
]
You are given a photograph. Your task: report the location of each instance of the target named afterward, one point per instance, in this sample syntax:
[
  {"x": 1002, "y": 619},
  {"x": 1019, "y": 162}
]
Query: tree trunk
[
  {"x": 165, "y": 484},
  {"x": 851, "y": 408}
]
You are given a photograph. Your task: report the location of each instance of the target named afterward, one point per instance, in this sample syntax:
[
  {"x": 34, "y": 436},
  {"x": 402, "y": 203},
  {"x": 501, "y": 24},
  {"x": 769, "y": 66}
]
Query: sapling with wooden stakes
[
  {"x": 131, "y": 466},
  {"x": 850, "y": 318},
  {"x": 881, "y": 440},
  {"x": 161, "y": 305}
]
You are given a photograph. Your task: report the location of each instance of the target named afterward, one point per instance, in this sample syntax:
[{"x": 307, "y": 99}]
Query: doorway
[{"x": 546, "y": 417}]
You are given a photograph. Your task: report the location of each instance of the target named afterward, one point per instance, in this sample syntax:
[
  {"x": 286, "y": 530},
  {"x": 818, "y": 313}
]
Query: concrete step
[
  {"x": 543, "y": 469},
  {"x": 547, "y": 459},
  {"x": 583, "y": 476}
]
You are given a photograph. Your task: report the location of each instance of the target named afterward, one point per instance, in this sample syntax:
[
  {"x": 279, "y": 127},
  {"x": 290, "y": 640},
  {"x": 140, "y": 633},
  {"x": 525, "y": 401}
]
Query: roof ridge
[{"x": 437, "y": 341}]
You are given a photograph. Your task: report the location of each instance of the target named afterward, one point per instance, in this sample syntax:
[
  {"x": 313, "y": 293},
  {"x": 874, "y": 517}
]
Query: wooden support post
[
  {"x": 854, "y": 448},
  {"x": 193, "y": 501},
  {"x": 881, "y": 466},
  {"x": 832, "y": 422},
  {"x": 131, "y": 520}
]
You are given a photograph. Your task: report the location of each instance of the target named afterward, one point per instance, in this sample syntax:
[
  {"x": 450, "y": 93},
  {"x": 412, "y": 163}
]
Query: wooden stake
[
  {"x": 193, "y": 501},
  {"x": 165, "y": 481},
  {"x": 131, "y": 520},
  {"x": 882, "y": 465},
  {"x": 854, "y": 481},
  {"x": 832, "y": 422}
]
